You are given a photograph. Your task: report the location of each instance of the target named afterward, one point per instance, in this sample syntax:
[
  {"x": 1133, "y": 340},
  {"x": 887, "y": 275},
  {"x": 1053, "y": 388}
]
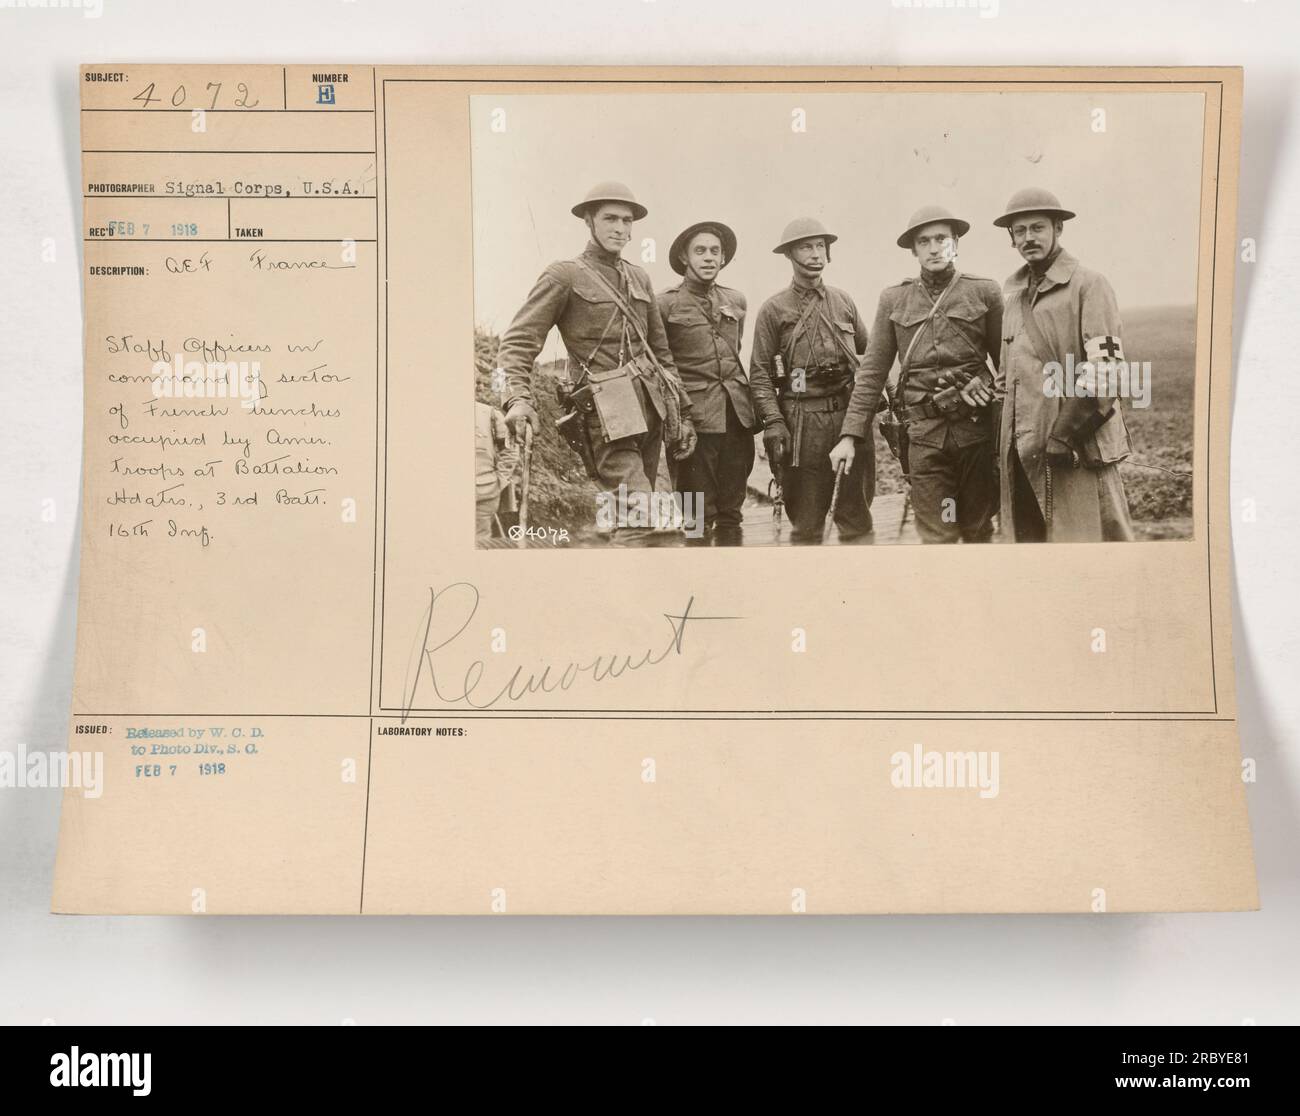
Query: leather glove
[
  {"x": 521, "y": 414},
  {"x": 686, "y": 440},
  {"x": 1060, "y": 454},
  {"x": 776, "y": 440}
]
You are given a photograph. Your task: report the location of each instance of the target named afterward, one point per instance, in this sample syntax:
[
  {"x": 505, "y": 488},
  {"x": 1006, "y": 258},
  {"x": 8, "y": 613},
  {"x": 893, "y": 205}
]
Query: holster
[
  {"x": 893, "y": 429},
  {"x": 573, "y": 429},
  {"x": 895, "y": 435}
]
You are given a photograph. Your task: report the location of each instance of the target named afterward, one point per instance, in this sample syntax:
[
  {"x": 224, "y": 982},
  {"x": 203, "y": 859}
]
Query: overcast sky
[{"x": 865, "y": 162}]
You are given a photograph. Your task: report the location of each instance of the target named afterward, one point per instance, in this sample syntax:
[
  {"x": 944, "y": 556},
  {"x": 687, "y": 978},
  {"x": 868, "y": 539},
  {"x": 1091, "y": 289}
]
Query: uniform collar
[
  {"x": 1059, "y": 273},
  {"x": 695, "y": 287},
  {"x": 597, "y": 254},
  {"x": 802, "y": 287},
  {"x": 937, "y": 284}
]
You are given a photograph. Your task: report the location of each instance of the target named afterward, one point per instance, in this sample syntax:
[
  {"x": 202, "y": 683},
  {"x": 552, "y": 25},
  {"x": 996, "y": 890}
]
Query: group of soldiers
[{"x": 968, "y": 415}]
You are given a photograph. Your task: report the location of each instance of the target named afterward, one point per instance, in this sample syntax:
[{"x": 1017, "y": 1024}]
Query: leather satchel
[{"x": 617, "y": 404}]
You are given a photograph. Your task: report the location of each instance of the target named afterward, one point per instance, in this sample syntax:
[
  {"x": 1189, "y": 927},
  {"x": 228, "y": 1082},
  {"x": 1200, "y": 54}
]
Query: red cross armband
[{"x": 1103, "y": 348}]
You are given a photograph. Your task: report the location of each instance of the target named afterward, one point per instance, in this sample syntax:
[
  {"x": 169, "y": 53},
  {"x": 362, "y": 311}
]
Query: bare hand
[
  {"x": 976, "y": 393},
  {"x": 843, "y": 454},
  {"x": 686, "y": 441}
]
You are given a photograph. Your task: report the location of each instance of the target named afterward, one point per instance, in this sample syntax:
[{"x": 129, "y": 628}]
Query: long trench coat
[{"x": 1077, "y": 314}]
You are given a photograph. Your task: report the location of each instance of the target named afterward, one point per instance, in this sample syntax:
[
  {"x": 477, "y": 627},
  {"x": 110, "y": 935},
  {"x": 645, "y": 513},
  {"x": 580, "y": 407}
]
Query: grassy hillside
[
  {"x": 1163, "y": 433},
  {"x": 560, "y": 494}
]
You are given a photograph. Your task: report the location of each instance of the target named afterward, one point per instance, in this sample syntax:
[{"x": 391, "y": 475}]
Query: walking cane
[
  {"x": 1047, "y": 510},
  {"x": 907, "y": 503},
  {"x": 525, "y": 477},
  {"x": 835, "y": 499},
  {"x": 776, "y": 494}
]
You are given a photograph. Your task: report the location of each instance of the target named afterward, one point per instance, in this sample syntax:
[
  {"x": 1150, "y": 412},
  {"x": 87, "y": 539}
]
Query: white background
[{"x": 1214, "y": 968}]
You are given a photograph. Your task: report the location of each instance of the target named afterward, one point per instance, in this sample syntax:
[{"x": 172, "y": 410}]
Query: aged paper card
[{"x": 603, "y": 491}]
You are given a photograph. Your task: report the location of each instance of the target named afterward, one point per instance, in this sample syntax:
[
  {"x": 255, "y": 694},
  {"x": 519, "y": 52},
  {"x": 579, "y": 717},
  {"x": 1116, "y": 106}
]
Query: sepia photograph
[{"x": 756, "y": 318}]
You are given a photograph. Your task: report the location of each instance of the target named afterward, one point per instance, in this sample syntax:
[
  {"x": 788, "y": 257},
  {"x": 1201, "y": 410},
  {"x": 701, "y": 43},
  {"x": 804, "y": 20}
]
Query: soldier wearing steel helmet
[
  {"x": 705, "y": 322},
  {"x": 808, "y": 340},
  {"x": 943, "y": 327},
  {"x": 1060, "y": 452},
  {"x": 609, "y": 321}
]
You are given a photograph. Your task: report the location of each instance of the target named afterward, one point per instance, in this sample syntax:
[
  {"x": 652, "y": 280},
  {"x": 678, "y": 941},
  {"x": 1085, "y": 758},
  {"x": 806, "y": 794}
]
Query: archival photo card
[{"x": 625, "y": 644}]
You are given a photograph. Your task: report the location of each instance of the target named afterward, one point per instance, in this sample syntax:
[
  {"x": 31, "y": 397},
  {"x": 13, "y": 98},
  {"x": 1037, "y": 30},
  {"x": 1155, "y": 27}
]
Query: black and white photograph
[{"x": 853, "y": 318}]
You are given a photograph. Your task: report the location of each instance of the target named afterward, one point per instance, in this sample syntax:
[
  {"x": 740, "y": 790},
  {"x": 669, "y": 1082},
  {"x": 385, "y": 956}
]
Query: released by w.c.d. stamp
[{"x": 495, "y": 482}]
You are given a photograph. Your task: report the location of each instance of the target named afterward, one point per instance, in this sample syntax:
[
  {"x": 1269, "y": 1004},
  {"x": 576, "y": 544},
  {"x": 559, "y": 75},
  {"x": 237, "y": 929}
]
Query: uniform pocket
[
  {"x": 730, "y": 322},
  {"x": 964, "y": 308},
  {"x": 908, "y": 316},
  {"x": 590, "y": 289},
  {"x": 682, "y": 314},
  {"x": 593, "y": 316},
  {"x": 1111, "y": 442}
]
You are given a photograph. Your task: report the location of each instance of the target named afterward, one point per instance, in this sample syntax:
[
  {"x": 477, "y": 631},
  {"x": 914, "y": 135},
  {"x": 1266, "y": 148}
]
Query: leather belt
[
  {"x": 928, "y": 410},
  {"x": 925, "y": 410},
  {"x": 815, "y": 404}
]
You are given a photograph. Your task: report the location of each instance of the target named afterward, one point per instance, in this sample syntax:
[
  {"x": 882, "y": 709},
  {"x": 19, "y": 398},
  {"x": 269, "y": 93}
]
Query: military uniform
[
  {"x": 570, "y": 296},
  {"x": 704, "y": 324},
  {"x": 813, "y": 327},
  {"x": 1063, "y": 313},
  {"x": 495, "y": 459},
  {"x": 1077, "y": 315},
  {"x": 950, "y": 453}
]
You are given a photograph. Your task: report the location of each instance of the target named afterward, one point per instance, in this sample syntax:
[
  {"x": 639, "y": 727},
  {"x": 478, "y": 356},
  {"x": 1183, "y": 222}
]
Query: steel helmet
[
  {"x": 610, "y": 192},
  {"x": 804, "y": 228},
  {"x": 929, "y": 215},
  {"x": 725, "y": 234},
  {"x": 1032, "y": 199}
]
